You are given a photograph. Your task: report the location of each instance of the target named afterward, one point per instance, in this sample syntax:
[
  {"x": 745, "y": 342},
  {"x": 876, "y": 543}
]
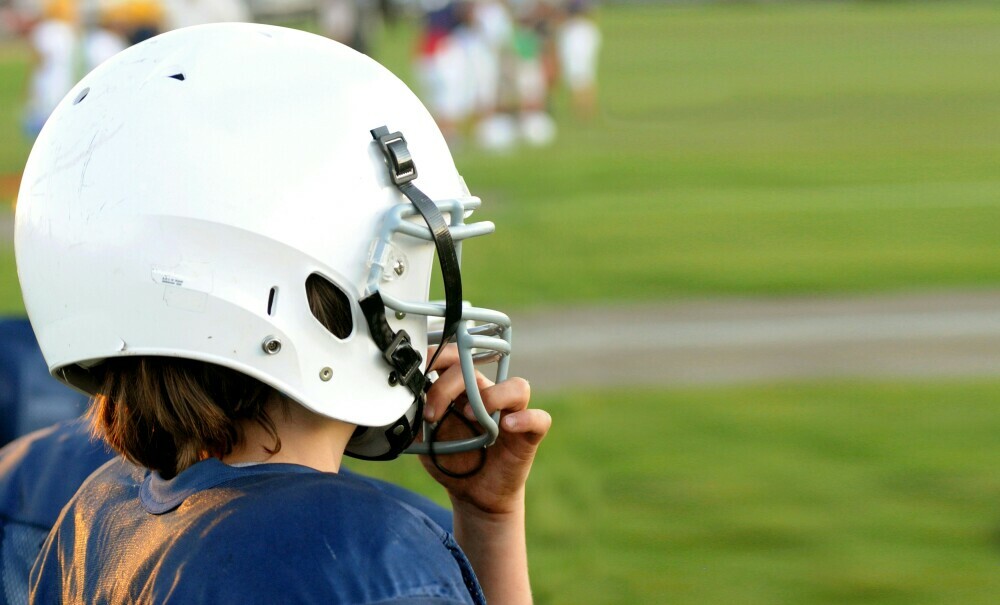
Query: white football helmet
[{"x": 178, "y": 199}]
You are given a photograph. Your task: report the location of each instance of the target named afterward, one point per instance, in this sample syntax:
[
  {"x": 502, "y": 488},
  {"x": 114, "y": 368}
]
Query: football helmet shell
[{"x": 179, "y": 197}]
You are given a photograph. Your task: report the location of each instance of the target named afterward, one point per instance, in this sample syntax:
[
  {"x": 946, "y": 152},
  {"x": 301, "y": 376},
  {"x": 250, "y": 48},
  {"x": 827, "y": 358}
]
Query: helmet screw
[
  {"x": 400, "y": 315},
  {"x": 393, "y": 379},
  {"x": 399, "y": 267},
  {"x": 325, "y": 374},
  {"x": 271, "y": 345},
  {"x": 398, "y": 430}
]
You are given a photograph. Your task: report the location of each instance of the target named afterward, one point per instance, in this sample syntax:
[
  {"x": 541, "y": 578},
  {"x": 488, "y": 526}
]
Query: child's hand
[
  {"x": 498, "y": 487},
  {"x": 489, "y": 505}
]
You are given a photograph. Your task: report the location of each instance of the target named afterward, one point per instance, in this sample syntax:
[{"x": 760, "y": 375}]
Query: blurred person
[
  {"x": 235, "y": 392},
  {"x": 350, "y": 22},
  {"x": 139, "y": 19},
  {"x": 479, "y": 67},
  {"x": 338, "y": 20},
  {"x": 105, "y": 39},
  {"x": 579, "y": 41},
  {"x": 16, "y": 18},
  {"x": 441, "y": 67},
  {"x": 477, "y": 64},
  {"x": 100, "y": 44},
  {"x": 53, "y": 40},
  {"x": 547, "y": 15},
  {"x": 536, "y": 126},
  {"x": 494, "y": 28},
  {"x": 492, "y": 21},
  {"x": 185, "y": 13}
]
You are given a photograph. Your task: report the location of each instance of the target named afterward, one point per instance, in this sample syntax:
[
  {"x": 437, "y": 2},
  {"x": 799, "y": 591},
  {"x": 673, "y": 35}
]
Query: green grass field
[
  {"x": 749, "y": 150},
  {"x": 743, "y": 150},
  {"x": 760, "y": 150},
  {"x": 831, "y": 493}
]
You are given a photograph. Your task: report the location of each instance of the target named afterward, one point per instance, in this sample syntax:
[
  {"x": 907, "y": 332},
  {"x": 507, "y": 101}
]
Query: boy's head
[
  {"x": 166, "y": 413},
  {"x": 183, "y": 197}
]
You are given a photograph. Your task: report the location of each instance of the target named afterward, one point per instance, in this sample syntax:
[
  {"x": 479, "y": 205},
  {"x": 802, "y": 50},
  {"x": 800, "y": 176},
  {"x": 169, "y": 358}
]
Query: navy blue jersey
[
  {"x": 39, "y": 473},
  {"x": 437, "y": 513},
  {"x": 270, "y": 533}
]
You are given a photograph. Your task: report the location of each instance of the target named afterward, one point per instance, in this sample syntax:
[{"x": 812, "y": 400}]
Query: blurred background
[{"x": 751, "y": 253}]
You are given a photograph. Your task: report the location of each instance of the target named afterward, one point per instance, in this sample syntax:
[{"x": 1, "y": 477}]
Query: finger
[
  {"x": 447, "y": 388},
  {"x": 510, "y": 395},
  {"x": 447, "y": 358},
  {"x": 449, "y": 385},
  {"x": 534, "y": 424}
]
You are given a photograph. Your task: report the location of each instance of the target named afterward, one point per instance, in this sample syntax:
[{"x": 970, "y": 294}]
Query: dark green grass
[
  {"x": 744, "y": 150},
  {"x": 10, "y": 294},
  {"x": 862, "y": 493},
  {"x": 751, "y": 150},
  {"x": 13, "y": 84},
  {"x": 763, "y": 149}
]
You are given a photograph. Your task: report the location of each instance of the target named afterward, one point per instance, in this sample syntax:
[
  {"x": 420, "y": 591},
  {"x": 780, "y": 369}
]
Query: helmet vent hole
[
  {"x": 177, "y": 76},
  {"x": 272, "y": 300},
  {"x": 83, "y": 95},
  {"x": 329, "y": 305}
]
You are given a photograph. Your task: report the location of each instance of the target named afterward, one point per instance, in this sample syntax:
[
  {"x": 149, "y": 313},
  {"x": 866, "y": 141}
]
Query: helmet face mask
[{"x": 182, "y": 216}]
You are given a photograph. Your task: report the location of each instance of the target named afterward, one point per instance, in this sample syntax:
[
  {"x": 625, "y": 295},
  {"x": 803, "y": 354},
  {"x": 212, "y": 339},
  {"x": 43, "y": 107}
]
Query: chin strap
[{"x": 397, "y": 350}]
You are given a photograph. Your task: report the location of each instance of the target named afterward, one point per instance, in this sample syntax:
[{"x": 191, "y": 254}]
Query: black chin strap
[{"x": 396, "y": 347}]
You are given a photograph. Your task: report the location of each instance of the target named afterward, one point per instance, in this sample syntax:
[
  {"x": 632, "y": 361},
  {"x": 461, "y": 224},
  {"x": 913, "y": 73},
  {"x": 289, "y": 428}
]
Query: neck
[{"x": 307, "y": 438}]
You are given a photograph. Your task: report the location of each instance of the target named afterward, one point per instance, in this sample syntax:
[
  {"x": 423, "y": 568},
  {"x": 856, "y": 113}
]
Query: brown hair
[{"x": 167, "y": 413}]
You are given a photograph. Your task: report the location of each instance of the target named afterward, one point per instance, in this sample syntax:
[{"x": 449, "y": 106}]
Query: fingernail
[
  {"x": 468, "y": 412},
  {"x": 429, "y": 413},
  {"x": 510, "y": 422}
]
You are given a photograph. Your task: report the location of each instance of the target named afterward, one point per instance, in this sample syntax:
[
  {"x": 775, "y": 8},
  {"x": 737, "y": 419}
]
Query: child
[
  {"x": 579, "y": 43},
  {"x": 53, "y": 40},
  {"x": 219, "y": 238}
]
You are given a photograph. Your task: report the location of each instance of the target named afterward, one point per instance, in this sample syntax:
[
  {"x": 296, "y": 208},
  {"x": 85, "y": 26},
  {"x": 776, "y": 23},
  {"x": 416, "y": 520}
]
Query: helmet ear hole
[{"x": 329, "y": 305}]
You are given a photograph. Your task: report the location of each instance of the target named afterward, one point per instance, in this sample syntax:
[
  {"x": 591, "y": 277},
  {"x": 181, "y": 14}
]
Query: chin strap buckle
[
  {"x": 396, "y": 347},
  {"x": 405, "y": 361},
  {"x": 397, "y": 155}
]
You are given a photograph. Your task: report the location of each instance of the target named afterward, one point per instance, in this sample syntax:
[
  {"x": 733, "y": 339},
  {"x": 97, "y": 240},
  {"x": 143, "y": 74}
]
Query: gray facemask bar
[
  {"x": 395, "y": 222},
  {"x": 485, "y": 343},
  {"x": 469, "y": 339}
]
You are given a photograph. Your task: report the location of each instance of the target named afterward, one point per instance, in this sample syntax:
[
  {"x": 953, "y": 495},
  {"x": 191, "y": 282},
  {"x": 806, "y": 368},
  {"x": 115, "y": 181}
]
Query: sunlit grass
[
  {"x": 743, "y": 150},
  {"x": 796, "y": 493}
]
